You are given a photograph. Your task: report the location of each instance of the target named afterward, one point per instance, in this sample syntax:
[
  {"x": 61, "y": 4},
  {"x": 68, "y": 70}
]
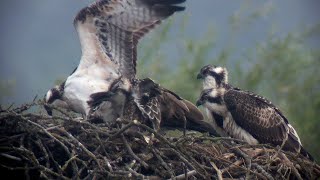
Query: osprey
[
  {"x": 108, "y": 32},
  {"x": 157, "y": 107},
  {"x": 245, "y": 115}
]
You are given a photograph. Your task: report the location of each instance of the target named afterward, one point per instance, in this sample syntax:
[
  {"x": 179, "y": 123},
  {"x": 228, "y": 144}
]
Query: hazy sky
[{"x": 39, "y": 43}]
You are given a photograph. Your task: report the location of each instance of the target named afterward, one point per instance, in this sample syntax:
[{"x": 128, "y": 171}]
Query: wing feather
[
  {"x": 109, "y": 30},
  {"x": 174, "y": 98},
  {"x": 175, "y": 110},
  {"x": 151, "y": 110},
  {"x": 260, "y": 118}
]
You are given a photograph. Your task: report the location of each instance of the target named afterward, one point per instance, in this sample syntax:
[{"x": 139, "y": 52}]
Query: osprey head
[
  {"x": 205, "y": 94},
  {"x": 213, "y": 76},
  {"x": 122, "y": 84},
  {"x": 145, "y": 88},
  {"x": 211, "y": 96},
  {"x": 51, "y": 96}
]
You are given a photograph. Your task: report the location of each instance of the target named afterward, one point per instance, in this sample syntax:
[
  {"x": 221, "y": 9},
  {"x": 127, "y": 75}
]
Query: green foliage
[
  {"x": 286, "y": 72},
  {"x": 6, "y": 87},
  {"x": 283, "y": 69}
]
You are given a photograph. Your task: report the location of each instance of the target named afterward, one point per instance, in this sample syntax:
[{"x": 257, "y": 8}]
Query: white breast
[
  {"x": 209, "y": 82},
  {"x": 220, "y": 109},
  {"x": 81, "y": 84}
]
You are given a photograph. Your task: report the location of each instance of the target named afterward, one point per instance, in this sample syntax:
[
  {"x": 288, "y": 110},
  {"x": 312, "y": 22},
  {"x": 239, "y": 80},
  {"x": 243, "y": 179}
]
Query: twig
[
  {"x": 220, "y": 139},
  {"x": 161, "y": 138},
  {"x": 62, "y": 147},
  {"x": 136, "y": 174},
  {"x": 295, "y": 171},
  {"x": 196, "y": 164},
  {"x": 219, "y": 174},
  {"x": 82, "y": 147},
  {"x": 265, "y": 173},
  {"x": 240, "y": 167},
  {"x": 10, "y": 157},
  {"x": 163, "y": 163},
  {"x": 44, "y": 130},
  {"x": 55, "y": 163},
  {"x": 53, "y": 173},
  {"x": 122, "y": 130},
  {"x": 132, "y": 153},
  {"x": 246, "y": 158},
  {"x": 183, "y": 176}
]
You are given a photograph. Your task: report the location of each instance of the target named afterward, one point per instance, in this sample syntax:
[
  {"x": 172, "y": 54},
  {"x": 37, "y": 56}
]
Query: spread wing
[
  {"x": 261, "y": 119},
  {"x": 109, "y": 30}
]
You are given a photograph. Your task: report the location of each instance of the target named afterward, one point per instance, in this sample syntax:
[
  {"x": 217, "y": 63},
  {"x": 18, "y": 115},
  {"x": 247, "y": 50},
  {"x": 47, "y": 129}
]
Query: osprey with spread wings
[{"x": 109, "y": 31}]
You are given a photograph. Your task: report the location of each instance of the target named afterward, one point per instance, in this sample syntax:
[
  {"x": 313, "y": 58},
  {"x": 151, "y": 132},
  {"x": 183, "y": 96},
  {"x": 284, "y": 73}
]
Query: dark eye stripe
[
  {"x": 217, "y": 77},
  {"x": 216, "y": 100}
]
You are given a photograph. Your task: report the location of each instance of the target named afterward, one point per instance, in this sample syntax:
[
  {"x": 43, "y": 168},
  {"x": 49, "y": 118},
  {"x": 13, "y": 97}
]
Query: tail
[
  {"x": 293, "y": 143},
  {"x": 305, "y": 153}
]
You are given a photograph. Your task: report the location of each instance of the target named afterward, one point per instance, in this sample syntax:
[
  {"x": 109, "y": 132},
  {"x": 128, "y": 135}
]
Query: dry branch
[{"x": 34, "y": 145}]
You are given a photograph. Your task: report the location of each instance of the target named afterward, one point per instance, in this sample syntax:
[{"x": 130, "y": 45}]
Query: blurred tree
[
  {"x": 286, "y": 71},
  {"x": 6, "y": 88}
]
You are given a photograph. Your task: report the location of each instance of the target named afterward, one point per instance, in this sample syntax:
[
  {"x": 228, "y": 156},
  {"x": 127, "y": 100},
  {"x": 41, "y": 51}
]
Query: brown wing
[
  {"x": 174, "y": 99},
  {"x": 175, "y": 110},
  {"x": 109, "y": 30},
  {"x": 261, "y": 119}
]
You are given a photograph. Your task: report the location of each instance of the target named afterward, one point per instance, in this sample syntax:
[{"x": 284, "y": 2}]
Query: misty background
[
  {"x": 269, "y": 47},
  {"x": 39, "y": 44}
]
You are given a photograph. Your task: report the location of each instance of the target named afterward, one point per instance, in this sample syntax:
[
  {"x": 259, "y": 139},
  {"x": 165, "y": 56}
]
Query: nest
[{"x": 36, "y": 146}]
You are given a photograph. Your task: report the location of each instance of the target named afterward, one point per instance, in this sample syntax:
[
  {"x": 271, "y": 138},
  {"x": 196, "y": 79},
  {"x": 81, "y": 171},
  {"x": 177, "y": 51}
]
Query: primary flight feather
[{"x": 108, "y": 31}]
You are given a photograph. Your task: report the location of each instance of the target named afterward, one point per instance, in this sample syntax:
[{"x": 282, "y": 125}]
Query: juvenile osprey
[
  {"x": 109, "y": 32},
  {"x": 245, "y": 115},
  {"x": 158, "y": 107}
]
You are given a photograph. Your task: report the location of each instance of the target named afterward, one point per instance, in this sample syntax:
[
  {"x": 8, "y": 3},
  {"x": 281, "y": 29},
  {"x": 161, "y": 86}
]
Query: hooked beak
[
  {"x": 199, "y": 102},
  {"x": 48, "y": 109},
  {"x": 157, "y": 89},
  {"x": 199, "y": 76}
]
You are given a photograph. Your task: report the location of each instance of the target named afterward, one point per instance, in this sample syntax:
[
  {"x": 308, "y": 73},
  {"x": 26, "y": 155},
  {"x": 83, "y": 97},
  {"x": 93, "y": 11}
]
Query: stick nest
[{"x": 36, "y": 146}]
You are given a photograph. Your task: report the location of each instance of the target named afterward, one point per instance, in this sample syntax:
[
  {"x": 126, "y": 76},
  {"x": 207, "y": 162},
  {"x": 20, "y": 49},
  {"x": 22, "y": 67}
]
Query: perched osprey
[
  {"x": 158, "y": 107},
  {"x": 109, "y": 32},
  {"x": 245, "y": 115}
]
